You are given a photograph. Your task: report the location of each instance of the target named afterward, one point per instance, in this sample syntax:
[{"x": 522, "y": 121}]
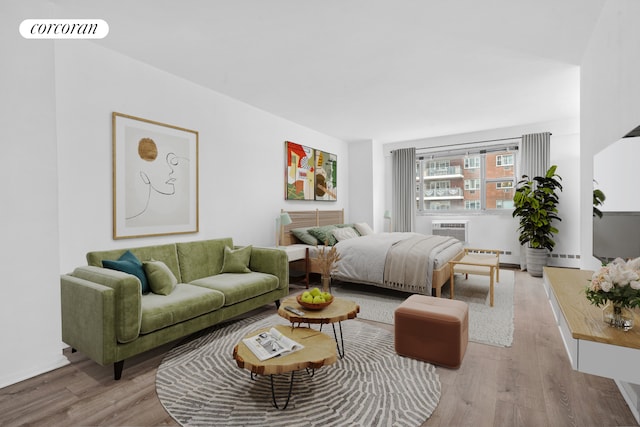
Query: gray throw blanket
[{"x": 409, "y": 263}]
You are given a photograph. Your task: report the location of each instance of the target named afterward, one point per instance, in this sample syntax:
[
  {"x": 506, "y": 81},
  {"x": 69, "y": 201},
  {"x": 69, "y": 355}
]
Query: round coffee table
[
  {"x": 339, "y": 310},
  {"x": 319, "y": 350}
]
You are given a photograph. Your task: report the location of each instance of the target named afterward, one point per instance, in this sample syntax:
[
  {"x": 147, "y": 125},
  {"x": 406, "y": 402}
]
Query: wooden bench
[{"x": 483, "y": 262}]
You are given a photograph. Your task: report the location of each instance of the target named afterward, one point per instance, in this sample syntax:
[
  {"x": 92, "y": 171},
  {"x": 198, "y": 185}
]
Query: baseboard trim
[
  {"x": 39, "y": 370},
  {"x": 631, "y": 402}
]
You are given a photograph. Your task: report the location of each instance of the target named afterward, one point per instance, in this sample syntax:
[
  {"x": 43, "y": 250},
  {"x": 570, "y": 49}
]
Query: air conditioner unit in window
[{"x": 454, "y": 228}]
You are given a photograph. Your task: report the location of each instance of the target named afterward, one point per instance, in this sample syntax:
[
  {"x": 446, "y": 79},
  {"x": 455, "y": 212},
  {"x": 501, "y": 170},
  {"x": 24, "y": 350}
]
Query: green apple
[
  {"x": 318, "y": 299},
  {"x": 327, "y": 296},
  {"x": 308, "y": 298},
  {"x": 315, "y": 292},
  {"x": 305, "y": 293}
]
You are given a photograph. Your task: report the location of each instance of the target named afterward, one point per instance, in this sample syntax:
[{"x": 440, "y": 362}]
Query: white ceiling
[{"x": 389, "y": 70}]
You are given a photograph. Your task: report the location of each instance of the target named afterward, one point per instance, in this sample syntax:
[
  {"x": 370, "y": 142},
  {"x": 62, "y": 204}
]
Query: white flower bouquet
[{"x": 617, "y": 282}]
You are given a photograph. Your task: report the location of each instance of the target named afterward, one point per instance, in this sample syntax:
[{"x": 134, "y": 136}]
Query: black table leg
[{"x": 273, "y": 393}]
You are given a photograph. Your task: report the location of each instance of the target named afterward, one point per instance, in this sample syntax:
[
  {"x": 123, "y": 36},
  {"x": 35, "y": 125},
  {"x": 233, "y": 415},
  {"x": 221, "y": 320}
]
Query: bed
[{"x": 408, "y": 262}]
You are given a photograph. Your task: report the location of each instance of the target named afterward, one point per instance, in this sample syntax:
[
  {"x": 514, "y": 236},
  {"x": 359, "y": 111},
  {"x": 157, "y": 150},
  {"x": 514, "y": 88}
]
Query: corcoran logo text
[{"x": 64, "y": 29}]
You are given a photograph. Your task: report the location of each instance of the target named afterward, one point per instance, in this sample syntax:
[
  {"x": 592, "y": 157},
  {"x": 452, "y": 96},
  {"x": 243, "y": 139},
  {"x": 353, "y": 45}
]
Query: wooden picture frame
[{"x": 155, "y": 178}]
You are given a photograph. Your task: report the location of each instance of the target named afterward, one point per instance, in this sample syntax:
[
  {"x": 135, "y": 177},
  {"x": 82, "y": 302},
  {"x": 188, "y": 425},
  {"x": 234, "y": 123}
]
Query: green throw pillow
[
  {"x": 129, "y": 263},
  {"x": 304, "y": 236},
  {"x": 324, "y": 234},
  {"x": 236, "y": 261},
  {"x": 161, "y": 279}
]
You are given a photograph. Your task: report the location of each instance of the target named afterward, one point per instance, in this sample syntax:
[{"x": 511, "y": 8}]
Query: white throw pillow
[
  {"x": 344, "y": 233},
  {"x": 364, "y": 229}
]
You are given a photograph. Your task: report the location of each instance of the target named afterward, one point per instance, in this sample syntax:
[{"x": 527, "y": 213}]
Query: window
[
  {"x": 504, "y": 204},
  {"x": 462, "y": 182},
  {"x": 504, "y": 160},
  {"x": 472, "y": 162},
  {"x": 472, "y": 184},
  {"x": 472, "y": 204}
]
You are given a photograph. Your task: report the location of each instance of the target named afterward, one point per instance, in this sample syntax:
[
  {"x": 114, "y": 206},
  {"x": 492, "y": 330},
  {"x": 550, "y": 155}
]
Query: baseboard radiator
[{"x": 454, "y": 228}]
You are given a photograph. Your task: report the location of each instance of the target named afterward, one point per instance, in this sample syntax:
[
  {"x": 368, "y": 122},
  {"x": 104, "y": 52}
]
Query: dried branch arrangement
[{"x": 327, "y": 260}]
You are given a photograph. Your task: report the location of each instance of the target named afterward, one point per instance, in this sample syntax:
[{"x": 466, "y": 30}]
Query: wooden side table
[
  {"x": 339, "y": 310},
  {"x": 319, "y": 350},
  {"x": 483, "y": 262}
]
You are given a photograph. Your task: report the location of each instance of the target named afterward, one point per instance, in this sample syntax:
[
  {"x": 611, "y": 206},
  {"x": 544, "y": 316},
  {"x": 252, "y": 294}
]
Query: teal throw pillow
[
  {"x": 161, "y": 279},
  {"x": 324, "y": 234},
  {"x": 236, "y": 260},
  {"x": 129, "y": 263}
]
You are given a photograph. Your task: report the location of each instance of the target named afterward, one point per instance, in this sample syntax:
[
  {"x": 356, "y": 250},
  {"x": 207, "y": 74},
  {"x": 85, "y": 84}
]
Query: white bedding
[{"x": 363, "y": 259}]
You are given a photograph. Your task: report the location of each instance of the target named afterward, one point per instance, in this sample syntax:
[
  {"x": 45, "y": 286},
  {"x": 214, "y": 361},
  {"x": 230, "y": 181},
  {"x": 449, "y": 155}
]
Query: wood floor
[{"x": 528, "y": 384}]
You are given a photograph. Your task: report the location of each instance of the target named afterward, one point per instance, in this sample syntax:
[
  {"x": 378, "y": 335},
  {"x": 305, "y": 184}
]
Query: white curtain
[
  {"x": 534, "y": 161},
  {"x": 403, "y": 183}
]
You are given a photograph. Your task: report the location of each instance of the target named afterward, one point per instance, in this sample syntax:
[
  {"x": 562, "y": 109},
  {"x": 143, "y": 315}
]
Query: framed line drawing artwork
[
  {"x": 300, "y": 178},
  {"x": 155, "y": 178},
  {"x": 326, "y": 178}
]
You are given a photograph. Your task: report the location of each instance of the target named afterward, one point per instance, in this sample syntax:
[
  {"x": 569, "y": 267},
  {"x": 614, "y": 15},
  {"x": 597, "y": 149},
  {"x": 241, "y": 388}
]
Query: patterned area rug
[
  {"x": 487, "y": 325},
  {"x": 199, "y": 383}
]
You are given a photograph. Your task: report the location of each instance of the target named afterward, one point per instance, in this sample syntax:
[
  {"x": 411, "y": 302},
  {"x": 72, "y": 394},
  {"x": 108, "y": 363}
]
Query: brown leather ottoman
[{"x": 435, "y": 330}]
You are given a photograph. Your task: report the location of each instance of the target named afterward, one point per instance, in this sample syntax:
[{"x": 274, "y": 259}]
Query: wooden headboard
[{"x": 314, "y": 218}]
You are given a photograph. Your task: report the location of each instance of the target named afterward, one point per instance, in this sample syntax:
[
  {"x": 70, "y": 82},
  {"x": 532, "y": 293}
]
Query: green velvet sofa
[{"x": 107, "y": 316}]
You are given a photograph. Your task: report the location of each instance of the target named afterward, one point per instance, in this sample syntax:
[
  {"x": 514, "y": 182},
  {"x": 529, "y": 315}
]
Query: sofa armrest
[
  {"x": 127, "y": 298},
  {"x": 271, "y": 261},
  {"x": 88, "y": 318}
]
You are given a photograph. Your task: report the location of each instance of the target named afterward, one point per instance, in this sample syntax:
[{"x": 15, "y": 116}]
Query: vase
[
  {"x": 326, "y": 283},
  {"x": 617, "y": 316}
]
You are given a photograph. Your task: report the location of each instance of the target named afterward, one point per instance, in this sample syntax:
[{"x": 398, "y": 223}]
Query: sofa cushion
[
  {"x": 236, "y": 260},
  {"x": 239, "y": 287},
  {"x": 202, "y": 258},
  {"x": 161, "y": 279},
  {"x": 129, "y": 263},
  {"x": 184, "y": 303},
  {"x": 165, "y": 253}
]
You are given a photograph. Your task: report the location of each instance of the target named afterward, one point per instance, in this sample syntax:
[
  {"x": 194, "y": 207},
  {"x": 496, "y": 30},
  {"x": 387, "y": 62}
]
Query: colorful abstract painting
[
  {"x": 300, "y": 172},
  {"x": 326, "y": 173}
]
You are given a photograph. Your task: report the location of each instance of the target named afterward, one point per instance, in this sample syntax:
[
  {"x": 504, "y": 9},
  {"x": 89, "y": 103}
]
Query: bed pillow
[
  {"x": 236, "y": 260},
  {"x": 323, "y": 234},
  {"x": 344, "y": 233},
  {"x": 304, "y": 236},
  {"x": 129, "y": 263},
  {"x": 348, "y": 225},
  {"x": 364, "y": 229},
  {"x": 161, "y": 279}
]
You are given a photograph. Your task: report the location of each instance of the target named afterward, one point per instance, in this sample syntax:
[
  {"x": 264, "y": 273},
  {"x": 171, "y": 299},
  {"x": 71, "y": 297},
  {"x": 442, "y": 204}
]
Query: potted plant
[
  {"x": 598, "y": 200},
  {"x": 535, "y": 203}
]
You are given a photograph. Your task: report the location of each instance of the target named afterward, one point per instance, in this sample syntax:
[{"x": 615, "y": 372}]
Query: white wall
[
  {"x": 610, "y": 90},
  {"x": 613, "y": 169},
  {"x": 242, "y": 155},
  {"x": 498, "y": 230},
  {"x": 29, "y": 254},
  {"x": 367, "y": 183}
]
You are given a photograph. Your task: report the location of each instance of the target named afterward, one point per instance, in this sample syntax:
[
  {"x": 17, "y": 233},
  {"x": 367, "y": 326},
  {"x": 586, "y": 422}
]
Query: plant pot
[{"x": 536, "y": 260}]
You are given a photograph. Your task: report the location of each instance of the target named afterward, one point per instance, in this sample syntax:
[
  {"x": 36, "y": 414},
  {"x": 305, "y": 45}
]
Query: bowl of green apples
[{"x": 315, "y": 299}]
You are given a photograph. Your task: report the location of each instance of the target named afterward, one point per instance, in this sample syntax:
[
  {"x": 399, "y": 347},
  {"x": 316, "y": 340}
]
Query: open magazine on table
[{"x": 271, "y": 344}]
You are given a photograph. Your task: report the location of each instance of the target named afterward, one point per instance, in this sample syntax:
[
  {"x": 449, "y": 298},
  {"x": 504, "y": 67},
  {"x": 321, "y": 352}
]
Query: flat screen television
[{"x": 616, "y": 235}]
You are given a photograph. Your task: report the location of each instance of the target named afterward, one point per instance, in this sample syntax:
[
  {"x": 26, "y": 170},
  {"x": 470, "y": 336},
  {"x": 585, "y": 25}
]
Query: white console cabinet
[{"x": 590, "y": 343}]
